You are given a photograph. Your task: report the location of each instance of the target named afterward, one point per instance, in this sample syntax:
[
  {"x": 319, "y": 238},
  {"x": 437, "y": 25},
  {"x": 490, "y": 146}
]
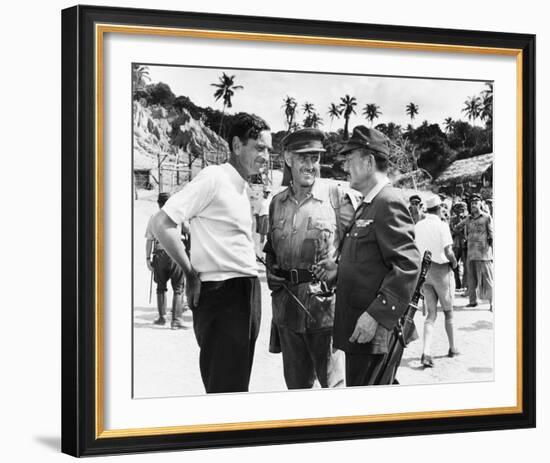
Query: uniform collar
[
  {"x": 383, "y": 181},
  {"x": 318, "y": 191}
]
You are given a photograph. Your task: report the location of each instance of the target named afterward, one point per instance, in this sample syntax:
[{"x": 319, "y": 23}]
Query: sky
[{"x": 264, "y": 93}]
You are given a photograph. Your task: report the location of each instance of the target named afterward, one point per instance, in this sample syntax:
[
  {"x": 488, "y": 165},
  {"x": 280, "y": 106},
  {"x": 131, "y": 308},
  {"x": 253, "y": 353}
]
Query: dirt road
[{"x": 166, "y": 361}]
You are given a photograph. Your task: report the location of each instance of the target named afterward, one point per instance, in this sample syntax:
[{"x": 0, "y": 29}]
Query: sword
[{"x": 290, "y": 293}]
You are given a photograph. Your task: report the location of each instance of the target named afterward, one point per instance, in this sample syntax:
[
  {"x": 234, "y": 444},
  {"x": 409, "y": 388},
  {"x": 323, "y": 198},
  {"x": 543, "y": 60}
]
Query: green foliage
[
  {"x": 160, "y": 94},
  {"x": 435, "y": 155}
]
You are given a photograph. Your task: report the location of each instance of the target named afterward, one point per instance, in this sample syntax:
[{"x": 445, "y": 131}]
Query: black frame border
[{"x": 78, "y": 230}]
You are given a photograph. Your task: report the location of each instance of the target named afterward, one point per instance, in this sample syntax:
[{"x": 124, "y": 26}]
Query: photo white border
[{"x": 121, "y": 412}]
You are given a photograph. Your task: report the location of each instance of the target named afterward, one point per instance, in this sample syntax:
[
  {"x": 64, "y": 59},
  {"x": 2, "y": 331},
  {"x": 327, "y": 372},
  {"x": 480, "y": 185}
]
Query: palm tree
[
  {"x": 448, "y": 124},
  {"x": 412, "y": 110},
  {"x": 486, "y": 113},
  {"x": 140, "y": 77},
  {"x": 347, "y": 106},
  {"x": 308, "y": 108},
  {"x": 225, "y": 89},
  {"x": 472, "y": 108},
  {"x": 290, "y": 105},
  {"x": 334, "y": 112},
  {"x": 313, "y": 120},
  {"x": 371, "y": 111}
]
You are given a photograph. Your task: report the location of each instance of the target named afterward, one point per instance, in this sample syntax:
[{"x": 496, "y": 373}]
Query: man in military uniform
[
  {"x": 306, "y": 221},
  {"x": 379, "y": 263},
  {"x": 165, "y": 269},
  {"x": 415, "y": 208},
  {"x": 478, "y": 228},
  {"x": 459, "y": 242}
]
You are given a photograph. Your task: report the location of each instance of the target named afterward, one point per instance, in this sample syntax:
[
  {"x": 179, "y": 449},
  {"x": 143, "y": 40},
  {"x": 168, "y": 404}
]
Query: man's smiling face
[{"x": 305, "y": 167}]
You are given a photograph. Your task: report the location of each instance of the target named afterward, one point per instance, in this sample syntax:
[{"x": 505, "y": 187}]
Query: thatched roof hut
[{"x": 477, "y": 169}]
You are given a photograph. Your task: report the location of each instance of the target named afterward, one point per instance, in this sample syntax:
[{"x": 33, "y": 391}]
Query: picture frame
[{"x": 85, "y": 203}]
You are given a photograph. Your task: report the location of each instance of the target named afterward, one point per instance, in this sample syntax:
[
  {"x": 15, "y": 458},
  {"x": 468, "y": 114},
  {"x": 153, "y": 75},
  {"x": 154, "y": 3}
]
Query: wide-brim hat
[
  {"x": 371, "y": 139},
  {"x": 304, "y": 141},
  {"x": 433, "y": 201}
]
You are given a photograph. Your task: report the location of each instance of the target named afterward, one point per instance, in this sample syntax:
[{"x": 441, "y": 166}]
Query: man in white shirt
[
  {"x": 222, "y": 277},
  {"x": 432, "y": 234}
]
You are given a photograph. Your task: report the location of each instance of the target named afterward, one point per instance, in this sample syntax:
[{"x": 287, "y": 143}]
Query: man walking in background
[
  {"x": 222, "y": 276},
  {"x": 432, "y": 234},
  {"x": 165, "y": 269}
]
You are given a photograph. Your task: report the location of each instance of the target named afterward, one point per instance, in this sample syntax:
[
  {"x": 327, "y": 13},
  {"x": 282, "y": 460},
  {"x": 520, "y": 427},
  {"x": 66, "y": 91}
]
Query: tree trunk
[{"x": 346, "y": 133}]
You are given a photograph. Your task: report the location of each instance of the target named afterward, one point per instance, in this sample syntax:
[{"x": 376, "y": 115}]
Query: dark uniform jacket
[{"x": 378, "y": 270}]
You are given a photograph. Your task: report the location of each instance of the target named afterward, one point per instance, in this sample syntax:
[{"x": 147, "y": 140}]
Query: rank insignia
[{"x": 362, "y": 223}]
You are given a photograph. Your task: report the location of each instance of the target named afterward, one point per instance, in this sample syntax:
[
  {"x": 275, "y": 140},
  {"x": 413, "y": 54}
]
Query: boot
[
  {"x": 161, "y": 306},
  {"x": 177, "y": 313}
]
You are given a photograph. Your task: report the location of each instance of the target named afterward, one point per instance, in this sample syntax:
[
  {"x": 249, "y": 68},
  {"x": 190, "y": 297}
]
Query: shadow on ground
[
  {"x": 145, "y": 316},
  {"x": 479, "y": 325}
]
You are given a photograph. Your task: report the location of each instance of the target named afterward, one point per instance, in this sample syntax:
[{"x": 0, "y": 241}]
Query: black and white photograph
[{"x": 307, "y": 230}]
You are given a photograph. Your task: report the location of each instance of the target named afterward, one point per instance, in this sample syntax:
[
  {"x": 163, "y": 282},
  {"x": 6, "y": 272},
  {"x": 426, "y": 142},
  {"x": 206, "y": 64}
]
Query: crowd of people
[{"x": 341, "y": 264}]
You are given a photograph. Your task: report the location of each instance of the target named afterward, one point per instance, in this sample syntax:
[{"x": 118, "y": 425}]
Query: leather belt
[{"x": 295, "y": 275}]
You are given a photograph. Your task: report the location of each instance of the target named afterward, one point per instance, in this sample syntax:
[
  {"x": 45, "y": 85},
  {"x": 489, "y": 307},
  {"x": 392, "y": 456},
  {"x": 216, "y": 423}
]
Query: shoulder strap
[{"x": 335, "y": 201}]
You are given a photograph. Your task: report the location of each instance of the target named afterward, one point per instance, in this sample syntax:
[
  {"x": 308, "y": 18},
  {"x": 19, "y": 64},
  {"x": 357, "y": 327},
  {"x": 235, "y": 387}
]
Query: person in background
[
  {"x": 432, "y": 234},
  {"x": 415, "y": 208},
  {"x": 478, "y": 229},
  {"x": 263, "y": 215},
  {"x": 459, "y": 242},
  {"x": 165, "y": 269}
]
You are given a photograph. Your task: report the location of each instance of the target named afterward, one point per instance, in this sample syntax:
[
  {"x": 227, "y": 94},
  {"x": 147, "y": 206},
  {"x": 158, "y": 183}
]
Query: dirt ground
[{"x": 166, "y": 361}]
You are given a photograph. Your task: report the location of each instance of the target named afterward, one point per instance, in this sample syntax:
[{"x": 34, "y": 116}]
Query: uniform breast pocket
[
  {"x": 318, "y": 241},
  {"x": 363, "y": 239},
  {"x": 279, "y": 230}
]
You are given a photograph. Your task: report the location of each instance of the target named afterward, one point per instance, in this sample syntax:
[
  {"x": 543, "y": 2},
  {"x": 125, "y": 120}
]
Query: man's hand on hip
[
  {"x": 193, "y": 288},
  {"x": 365, "y": 328}
]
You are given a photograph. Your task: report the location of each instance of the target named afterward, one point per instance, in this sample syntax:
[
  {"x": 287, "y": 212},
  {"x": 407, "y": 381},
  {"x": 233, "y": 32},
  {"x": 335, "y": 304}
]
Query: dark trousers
[
  {"x": 226, "y": 324},
  {"x": 363, "y": 369},
  {"x": 307, "y": 356},
  {"x": 165, "y": 269}
]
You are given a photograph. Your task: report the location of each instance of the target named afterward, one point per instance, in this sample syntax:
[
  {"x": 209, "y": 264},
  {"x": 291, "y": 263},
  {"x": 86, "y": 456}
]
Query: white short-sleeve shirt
[
  {"x": 434, "y": 235},
  {"x": 216, "y": 203}
]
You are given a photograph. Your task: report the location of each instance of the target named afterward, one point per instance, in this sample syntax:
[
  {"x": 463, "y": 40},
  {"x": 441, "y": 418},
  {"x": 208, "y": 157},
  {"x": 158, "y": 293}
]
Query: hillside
[{"x": 181, "y": 145}]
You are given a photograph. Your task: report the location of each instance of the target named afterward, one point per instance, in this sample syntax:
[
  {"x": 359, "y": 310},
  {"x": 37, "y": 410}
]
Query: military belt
[{"x": 295, "y": 275}]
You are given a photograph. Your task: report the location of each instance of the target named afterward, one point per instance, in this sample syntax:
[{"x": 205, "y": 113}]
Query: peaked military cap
[
  {"x": 304, "y": 141},
  {"x": 475, "y": 197},
  {"x": 372, "y": 139},
  {"x": 415, "y": 198}
]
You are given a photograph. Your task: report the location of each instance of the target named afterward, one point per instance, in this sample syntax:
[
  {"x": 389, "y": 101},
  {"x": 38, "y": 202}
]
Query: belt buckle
[{"x": 294, "y": 276}]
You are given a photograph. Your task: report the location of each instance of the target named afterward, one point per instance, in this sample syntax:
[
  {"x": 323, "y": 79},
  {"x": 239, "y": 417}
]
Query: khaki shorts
[{"x": 439, "y": 287}]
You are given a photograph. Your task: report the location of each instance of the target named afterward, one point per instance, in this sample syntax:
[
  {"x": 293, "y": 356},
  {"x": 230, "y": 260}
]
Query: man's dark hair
[
  {"x": 162, "y": 198},
  {"x": 382, "y": 163},
  {"x": 246, "y": 126}
]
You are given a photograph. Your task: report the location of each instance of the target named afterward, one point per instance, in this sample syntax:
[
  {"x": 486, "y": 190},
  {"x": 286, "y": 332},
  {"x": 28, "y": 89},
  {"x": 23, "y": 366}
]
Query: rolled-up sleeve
[{"x": 192, "y": 198}]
